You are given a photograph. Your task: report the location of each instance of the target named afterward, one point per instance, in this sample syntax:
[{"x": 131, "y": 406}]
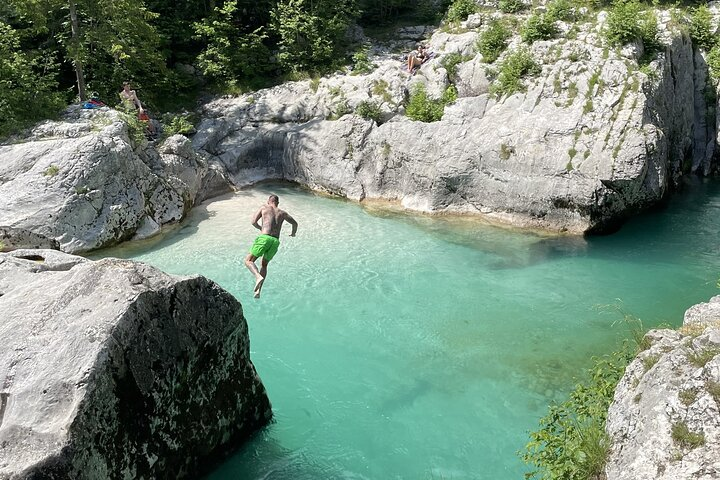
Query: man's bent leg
[
  {"x": 263, "y": 274},
  {"x": 250, "y": 264}
]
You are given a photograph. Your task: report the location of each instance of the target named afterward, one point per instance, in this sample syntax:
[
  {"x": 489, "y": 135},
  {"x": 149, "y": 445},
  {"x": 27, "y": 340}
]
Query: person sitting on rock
[
  {"x": 131, "y": 101},
  {"x": 416, "y": 58}
]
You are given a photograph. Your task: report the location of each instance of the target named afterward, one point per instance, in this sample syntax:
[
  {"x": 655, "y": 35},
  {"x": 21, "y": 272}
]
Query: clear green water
[{"x": 409, "y": 347}]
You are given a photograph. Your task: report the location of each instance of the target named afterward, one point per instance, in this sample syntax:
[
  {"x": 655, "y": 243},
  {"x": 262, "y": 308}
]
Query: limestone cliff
[
  {"x": 113, "y": 369},
  {"x": 593, "y": 140}
]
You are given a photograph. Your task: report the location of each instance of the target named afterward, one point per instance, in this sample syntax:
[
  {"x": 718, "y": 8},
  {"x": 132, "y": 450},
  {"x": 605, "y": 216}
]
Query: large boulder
[
  {"x": 664, "y": 421},
  {"x": 113, "y": 369},
  {"x": 86, "y": 182}
]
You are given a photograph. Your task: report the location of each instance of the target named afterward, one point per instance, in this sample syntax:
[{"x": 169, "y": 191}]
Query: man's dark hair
[{"x": 275, "y": 199}]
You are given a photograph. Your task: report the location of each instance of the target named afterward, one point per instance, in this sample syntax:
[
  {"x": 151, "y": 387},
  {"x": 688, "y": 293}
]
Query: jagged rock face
[
  {"x": 82, "y": 182},
  {"x": 113, "y": 369},
  {"x": 664, "y": 421},
  {"x": 592, "y": 141}
]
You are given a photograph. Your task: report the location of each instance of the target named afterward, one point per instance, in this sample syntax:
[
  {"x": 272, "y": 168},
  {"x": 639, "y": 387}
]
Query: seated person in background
[
  {"x": 130, "y": 101},
  {"x": 416, "y": 58}
]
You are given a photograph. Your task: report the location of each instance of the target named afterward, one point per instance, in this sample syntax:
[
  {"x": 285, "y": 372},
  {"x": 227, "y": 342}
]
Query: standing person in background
[
  {"x": 267, "y": 243},
  {"x": 130, "y": 101}
]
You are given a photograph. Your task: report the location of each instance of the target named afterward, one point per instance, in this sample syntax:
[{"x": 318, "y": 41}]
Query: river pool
[{"x": 400, "y": 346}]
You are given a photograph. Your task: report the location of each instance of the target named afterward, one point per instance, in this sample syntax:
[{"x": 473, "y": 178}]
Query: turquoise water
[{"x": 411, "y": 347}]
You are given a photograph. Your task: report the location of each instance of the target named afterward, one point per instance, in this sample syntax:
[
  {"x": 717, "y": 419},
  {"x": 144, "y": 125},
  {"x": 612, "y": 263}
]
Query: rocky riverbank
[
  {"x": 592, "y": 140},
  {"x": 664, "y": 422},
  {"x": 114, "y": 369}
]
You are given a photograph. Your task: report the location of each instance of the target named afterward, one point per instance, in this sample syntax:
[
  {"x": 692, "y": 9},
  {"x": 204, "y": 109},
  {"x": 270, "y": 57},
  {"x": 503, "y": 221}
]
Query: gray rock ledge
[
  {"x": 113, "y": 369},
  {"x": 674, "y": 386}
]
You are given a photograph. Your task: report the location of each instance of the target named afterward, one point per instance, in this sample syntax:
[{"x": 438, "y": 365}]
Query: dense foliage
[
  {"x": 460, "y": 9},
  {"x": 57, "y": 50},
  {"x": 24, "y": 88},
  {"x": 540, "y": 26},
  {"x": 426, "y": 109},
  {"x": 514, "y": 68},
  {"x": 493, "y": 41},
  {"x": 571, "y": 443},
  {"x": 701, "y": 29}
]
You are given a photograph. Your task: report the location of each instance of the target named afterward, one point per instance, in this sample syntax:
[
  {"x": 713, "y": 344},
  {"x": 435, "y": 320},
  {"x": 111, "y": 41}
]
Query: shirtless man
[
  {"x": 131, "y": 101},
  {"x": 267, "y": 243}
]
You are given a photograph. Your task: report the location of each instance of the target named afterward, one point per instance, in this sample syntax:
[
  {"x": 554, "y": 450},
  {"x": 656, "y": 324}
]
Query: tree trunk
[{"x": 75, "y": 54}]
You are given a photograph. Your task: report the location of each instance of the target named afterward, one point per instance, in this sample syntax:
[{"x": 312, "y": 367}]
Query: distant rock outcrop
[
  {"x": 664, "y": 422},
  {"x": 593, "y": 140},
  {"x": 113, "y": 369},
  {"x": 83, "y": 182}
]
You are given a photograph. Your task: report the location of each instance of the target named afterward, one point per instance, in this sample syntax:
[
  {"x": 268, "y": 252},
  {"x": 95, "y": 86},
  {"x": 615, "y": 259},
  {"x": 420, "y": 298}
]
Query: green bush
[
  {"x": 137, "y": 129},
  {"x": 361, "y": 61},
  {"x": 449, "y": 95},
  {"x": 425, "y": 109},
  {"x": 701, "y": 31},
  {"x": 511, "y": 6},
  {"x": 627, "y": 23},
  {"x": 451, "y": 61},
  {"x": 561, "y": 10},
  {"x": 493, "y": 41},
  {"x": 571, "y": 443},
  {"x": 370, "y": 111},
  {"x": 459, "y": 10},
  {"x": 515, "y": 67},
  {"x": 174, "y": 124},
  {"x": 622, "y": 23},
  {"x": 713, "y": 61},
  {"x": 649, "y": 33},
  {"x": 540, "y": 26}
]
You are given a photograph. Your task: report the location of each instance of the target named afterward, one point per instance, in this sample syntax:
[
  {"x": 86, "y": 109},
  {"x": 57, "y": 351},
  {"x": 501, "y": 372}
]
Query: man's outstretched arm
[
  {"x": 292, "y": 222},
  {"x": 255, "y": 219}
]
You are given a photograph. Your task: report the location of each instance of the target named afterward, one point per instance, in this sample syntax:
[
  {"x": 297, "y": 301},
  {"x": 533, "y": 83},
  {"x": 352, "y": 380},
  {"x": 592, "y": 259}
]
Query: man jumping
[{"x": 267, "y": 243}]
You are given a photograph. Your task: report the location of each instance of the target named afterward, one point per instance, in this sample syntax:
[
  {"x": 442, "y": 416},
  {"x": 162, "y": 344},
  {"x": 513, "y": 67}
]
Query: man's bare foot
[{"x": 258, "y": 286}]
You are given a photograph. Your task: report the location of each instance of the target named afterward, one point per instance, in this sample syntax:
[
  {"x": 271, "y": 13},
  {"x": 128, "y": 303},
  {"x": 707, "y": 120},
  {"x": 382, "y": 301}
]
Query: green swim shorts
[{"x": 265, "y": 246}]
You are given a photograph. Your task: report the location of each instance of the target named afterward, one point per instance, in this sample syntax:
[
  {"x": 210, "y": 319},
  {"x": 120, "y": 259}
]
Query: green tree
[
  {"x": 26, "y": 94},
  {"x": 231, "y": 55},
  {"x": 106, "y": 41},
  {"x": 311, "y": 32}
]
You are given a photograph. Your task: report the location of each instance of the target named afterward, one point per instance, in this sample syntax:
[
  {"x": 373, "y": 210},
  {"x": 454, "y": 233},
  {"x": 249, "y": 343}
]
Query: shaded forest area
[{"x": 53, "y": 52}]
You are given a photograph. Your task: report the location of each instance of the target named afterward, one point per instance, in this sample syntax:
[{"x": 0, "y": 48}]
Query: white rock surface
[
  {"x": 666, "y": 386},
  {"x": 113, "y": 369},
  {"x": 82, "y": 182},
  {"x": 591, "y": 142}
]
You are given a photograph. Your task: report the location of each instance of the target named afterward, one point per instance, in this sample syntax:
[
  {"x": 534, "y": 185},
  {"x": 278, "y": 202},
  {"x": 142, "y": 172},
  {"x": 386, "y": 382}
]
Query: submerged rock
[
  {"x": 113, "y": 369},
  {"x": 664, "y": 421}
]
